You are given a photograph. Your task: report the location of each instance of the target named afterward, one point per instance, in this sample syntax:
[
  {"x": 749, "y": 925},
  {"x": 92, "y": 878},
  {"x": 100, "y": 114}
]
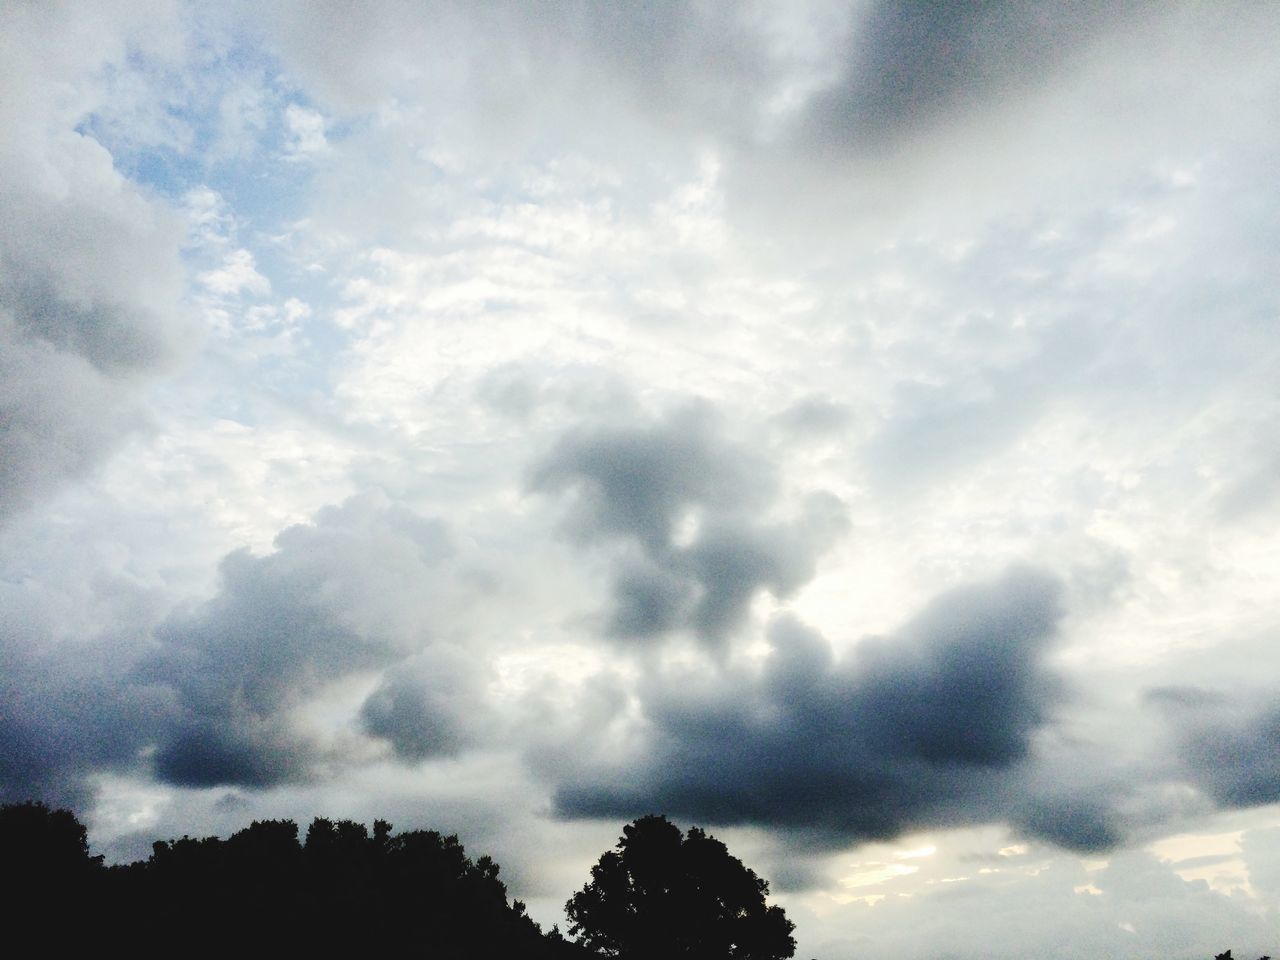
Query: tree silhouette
[
  {"x": 662, "y": 894},
  {"x": 44, "y": 861},
  {"x": 37, "y": 841},
  {"x": 262, "y": 892}
]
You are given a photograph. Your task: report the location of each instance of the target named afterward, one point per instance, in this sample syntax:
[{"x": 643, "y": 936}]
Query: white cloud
[
  {"x": 237, "y": 275},
  {"x": 306, "y": 130}
]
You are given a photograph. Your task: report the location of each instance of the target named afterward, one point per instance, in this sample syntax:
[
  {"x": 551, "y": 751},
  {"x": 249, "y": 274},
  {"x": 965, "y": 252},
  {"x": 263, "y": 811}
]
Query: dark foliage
[
  {"x": 414, "y": 893},
  {"x": 44, "y": 857},
  {"x": 662, "y": 894},
  {"x": 659, "y": 895},
  {"x": 36, "y": 842}
]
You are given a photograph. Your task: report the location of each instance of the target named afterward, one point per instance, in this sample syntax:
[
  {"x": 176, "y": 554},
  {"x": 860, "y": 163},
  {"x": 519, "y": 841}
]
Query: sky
[{"x": 850, "y": 427}]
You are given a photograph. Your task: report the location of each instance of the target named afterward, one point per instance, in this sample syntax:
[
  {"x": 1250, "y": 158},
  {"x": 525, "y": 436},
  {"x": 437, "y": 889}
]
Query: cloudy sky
[{"x": 851, "y": 427}]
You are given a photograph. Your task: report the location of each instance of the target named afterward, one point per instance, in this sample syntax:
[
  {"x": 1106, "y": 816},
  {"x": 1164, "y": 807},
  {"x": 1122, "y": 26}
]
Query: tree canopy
[
  {"x": 663, "y": 894},
  {"x": 659, "y": 894},
  {"x": 415, "y": 892}
]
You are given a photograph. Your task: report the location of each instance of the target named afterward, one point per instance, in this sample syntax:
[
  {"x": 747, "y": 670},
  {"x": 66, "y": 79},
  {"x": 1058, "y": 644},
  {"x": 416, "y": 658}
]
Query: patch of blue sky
[
  {"x": 225, "y": 127},
  {"x": 222, "y": 126},
  {"x": 265, "y": 195},
  {"x": 169, "y": 173}
]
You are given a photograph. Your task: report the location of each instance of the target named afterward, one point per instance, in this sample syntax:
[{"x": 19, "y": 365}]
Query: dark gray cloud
[
  {"x": 342, "y": 595},
  {"x": 731, "y": 565},
  {"x": 232, "y": 746},
  {"x": 58, "y": 725},
  {"x": 1228, "y": 742},
  {"x": 648, "y": 599},
  {"x": 1073, "y": 823},
  {"x": 685, "y": 507},
  {"x": 930, "y": 726},
  {"x": 115, "y": 336},
  {"x": 68, "y": 635},
  {"x": 639, "y": 483},
  {"x": 431, "y": 705},
  {"x": 215, "y": 697},
  {"x": 912, "y": 65},
  {"x": 708, "y": 586}
]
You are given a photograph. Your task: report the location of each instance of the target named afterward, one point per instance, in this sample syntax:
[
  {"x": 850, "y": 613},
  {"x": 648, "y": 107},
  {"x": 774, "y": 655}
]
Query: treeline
[
  {"x": 342, "y": 889},
  {"x": 262, "y": 888}
]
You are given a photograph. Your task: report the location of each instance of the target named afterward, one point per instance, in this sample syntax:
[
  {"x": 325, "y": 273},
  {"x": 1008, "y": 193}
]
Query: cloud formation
[
  {"x": 927, "y": 726},
  {"x": 688, "y": 510},
  {"x": 216, "y": 697},
  {"x": 62, "y": 724},
  {"x": 430, "y": 705},
  {"x": 89, "y": 272},
  {"x": 349, "y": 593},
  {"x": 1227, "y": 741},
  {"x": 910, "y": 66}
]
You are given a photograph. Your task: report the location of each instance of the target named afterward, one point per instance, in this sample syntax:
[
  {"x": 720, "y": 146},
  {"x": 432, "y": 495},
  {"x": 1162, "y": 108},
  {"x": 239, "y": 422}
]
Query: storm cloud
[
  {"x": 350, "y": 592},
  {"x": 1228, "y": 742},
  {"x": 214, "y": 697},
  {"x": 431, "y": 705},
  {"x": 687, "y": 511},
  {"x": 62, "y": 724},
  {"x": 930, "y": 725},
  {"x": 912, "y": 66}
]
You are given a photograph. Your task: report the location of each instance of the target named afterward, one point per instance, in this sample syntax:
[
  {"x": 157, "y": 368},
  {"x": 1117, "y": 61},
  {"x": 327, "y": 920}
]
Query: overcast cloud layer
[{"x": 850, "y": 427}]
